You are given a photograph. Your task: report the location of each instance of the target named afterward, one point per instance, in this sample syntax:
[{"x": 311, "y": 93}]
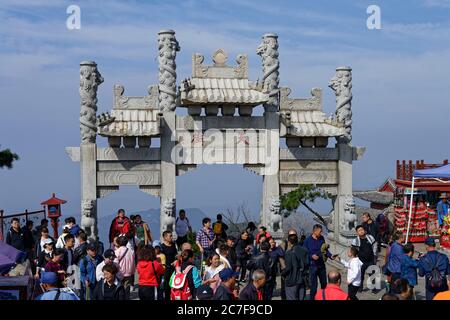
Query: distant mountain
[{"x": 151, "y": 216}]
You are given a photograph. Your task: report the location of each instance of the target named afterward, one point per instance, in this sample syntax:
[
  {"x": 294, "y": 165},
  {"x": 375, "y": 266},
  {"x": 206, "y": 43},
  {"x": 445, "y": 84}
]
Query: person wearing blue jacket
[
  {"x": 314, "y": 243},
  {"x": 409, "y": 267},
  {"x": 394, "y": 260},
  {"x": 431, "y": 260},
  {"x": 88, "y": 266},
  {"x": 442, "y": 208}
]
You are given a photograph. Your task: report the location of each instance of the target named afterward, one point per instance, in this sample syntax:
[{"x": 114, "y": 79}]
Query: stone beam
[
  {"x": 73, "y": 153},
  {"x": 128, "y": 166},
  {"x": 128, "y": 154},
  {"x": 219, "y": 155},
  {"x": 106, "y": 190},
  {"x": 358, "y": 152},
  {"x": 115, "y": 178},
  {"x": 331, "y": 189},
  {"x": 210, "y": 122},
  {"x": 308, "y": 177},
  {"x": 119, "y": 154},
  {"x": 182, "y": 169},
  {"x": 309, "y": 154},
  {"x": 151, "y": 190},
  {"x": 303, "y": 165}
]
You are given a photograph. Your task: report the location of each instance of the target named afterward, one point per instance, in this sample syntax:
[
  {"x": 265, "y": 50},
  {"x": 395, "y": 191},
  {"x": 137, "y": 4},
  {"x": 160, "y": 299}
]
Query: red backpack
[{"x": 180, "y": 286}]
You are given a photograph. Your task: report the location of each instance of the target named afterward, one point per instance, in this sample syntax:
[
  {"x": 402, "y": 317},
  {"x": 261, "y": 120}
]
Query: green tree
[
  {"x": 7, "y": 157},
  {"x": 300, "y": 196}
]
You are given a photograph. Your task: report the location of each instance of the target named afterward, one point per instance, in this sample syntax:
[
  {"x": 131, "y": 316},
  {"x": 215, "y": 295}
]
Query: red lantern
[{"x": 54, "y": 211}]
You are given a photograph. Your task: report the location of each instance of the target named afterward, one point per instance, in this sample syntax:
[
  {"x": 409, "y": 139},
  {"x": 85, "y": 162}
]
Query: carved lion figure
[
  {"x": 275, "y": 216},
  {"x": 88, "y": 221},
  {"x": 168, "y": 214},
  {"x": 349, "y": 219}
]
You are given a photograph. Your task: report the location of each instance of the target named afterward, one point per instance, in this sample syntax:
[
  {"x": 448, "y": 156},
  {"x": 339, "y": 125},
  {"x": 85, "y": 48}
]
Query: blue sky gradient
[{"x": 401, "y": 83}]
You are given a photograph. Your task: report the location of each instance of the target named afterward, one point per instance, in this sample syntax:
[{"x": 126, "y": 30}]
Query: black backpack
[{"x": 435, "y": 279}]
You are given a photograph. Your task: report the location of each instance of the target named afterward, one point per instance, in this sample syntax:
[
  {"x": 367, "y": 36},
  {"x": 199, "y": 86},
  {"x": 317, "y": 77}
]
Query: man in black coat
[
  {"x": 254, "y": 290},
  {"x": 15, "y": 236},
  {"x": 265, "y": 262},
  {"x": 297, "y": 269},
  {"x": 226, "y": 290},
  {"x": 232, "y": 257}
]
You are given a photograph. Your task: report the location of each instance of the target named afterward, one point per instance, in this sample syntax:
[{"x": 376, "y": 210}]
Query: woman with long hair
[
  {"x": 213, "y": 267},
  {"x": 150, "y": 273}
]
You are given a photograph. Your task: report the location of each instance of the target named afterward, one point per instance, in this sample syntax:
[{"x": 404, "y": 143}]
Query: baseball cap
[
  {"x": 109, "y": 253},
  {"x": 227, "y": 273},
  {"x": 46, "y": 241},
  {"x": 204, "y": 292},
  {"x": 430, "y": 242},
  {"x": 49, "y": 278},
  {"x": 156, "y": 243}
]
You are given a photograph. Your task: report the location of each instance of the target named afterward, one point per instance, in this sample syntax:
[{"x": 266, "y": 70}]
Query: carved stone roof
[
  {"x": 359, "y": 211},
  {"x": 220, "y": 84},
  {"x": 132, "y": 116},
  {"x": 375, "y": 196},
  {"x": 305, "y": 118}
]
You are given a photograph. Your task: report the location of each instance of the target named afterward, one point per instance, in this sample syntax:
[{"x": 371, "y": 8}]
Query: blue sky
[{"x": 401, "y": 83}]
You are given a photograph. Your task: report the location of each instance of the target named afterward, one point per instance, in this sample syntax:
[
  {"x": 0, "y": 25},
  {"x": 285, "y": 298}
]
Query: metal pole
[
  {"x": 410, "y": 209},
  {"x": 1, "y": 222}
]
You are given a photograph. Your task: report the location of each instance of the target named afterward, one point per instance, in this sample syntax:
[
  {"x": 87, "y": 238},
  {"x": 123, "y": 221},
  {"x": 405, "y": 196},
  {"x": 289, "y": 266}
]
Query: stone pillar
[
  {"x": 270, "y": 215},
  {"x": 168, "y": 47},
  {"x": 344, "y": 215},
  {"x": 90, "y": 79}
]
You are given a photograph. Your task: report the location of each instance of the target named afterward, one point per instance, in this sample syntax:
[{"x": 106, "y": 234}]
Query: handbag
[{"x": 159, "y": 288}]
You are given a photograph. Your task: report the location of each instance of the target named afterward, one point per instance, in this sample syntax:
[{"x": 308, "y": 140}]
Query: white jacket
[{"x": 354, "y": 271}]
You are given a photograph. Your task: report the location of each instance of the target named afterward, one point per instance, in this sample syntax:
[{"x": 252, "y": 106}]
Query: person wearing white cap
[
  {"x": 60, "y": 244},
  {"x": 44, "y": 255}
]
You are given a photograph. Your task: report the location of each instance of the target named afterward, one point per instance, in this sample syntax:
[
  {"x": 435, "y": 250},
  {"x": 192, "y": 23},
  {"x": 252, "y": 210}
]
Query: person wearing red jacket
[
  {"x": 150, "y": 274},
  {"x": 333, "y": 289},
  {"x": 120, "y": 225}
]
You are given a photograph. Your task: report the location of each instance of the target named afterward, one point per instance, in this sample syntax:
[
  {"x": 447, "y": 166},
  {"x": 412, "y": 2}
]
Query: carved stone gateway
[{"x": 219, "y": 128}]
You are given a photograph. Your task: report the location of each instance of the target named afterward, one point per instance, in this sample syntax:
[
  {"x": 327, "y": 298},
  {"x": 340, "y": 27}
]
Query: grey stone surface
[
  {"x": 223, "y": 137},
  {"x": 90, "y": 79},
  {"x": 168, "y": 47},
  {"x": 212, "y": 122},
  {"x": 89, "y": 188},
  {"x": 114, "y": 178},
  {"x": 268, "y": 50},
  {"x": 309, "y": 154},
  {"x": 123, "y": 154},
  {"x": 341, "y": 84}
]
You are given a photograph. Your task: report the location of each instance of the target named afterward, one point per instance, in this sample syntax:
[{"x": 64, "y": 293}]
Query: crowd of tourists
[{"x": 218, "y": 266}]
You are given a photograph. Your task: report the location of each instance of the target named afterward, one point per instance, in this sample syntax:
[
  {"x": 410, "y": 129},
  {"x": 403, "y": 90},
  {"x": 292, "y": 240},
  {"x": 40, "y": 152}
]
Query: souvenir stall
[{"x": 416, "y": 215}]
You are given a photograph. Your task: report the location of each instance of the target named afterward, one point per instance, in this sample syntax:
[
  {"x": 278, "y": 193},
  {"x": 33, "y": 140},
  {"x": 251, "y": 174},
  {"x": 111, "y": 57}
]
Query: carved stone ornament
[
  {"x": 341, "y": 84},
  {"x": 168, "y": 47},
  {"x": 90, "y": 79},
  {"x": 219, "y": 69},
  {"x": 348, "y": 220},
  {"x": 88, "y": 217},
  {"x": 275, "y": 216},
  {"x": 167, "y": 214},
  {"x": 268, "y": 50}
]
